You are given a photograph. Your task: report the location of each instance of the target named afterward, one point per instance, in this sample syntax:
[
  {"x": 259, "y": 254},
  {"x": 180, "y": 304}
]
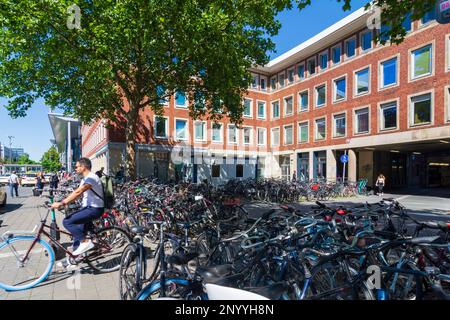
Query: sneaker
[
  {"x": 66, "y": 265},
  {"x": 83, "y": 247}
]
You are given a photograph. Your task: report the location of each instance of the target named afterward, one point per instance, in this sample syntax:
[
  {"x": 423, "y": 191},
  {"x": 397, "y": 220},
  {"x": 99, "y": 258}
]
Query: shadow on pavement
[
  {"x": 10, "y": 207},
  {"x": 430, "y": 192}
]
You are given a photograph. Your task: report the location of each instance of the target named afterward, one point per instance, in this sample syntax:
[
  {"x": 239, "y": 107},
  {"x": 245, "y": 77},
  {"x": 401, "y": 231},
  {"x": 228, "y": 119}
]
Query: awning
[{"x": 59, "y": 126}]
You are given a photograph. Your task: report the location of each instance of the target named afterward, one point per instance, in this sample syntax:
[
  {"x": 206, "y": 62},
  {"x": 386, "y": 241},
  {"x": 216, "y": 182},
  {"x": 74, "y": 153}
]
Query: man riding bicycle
[{"x": 91, "y": 189}]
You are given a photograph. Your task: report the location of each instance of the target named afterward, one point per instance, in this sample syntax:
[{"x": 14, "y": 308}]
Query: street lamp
[{"x": 10, "y": 150}]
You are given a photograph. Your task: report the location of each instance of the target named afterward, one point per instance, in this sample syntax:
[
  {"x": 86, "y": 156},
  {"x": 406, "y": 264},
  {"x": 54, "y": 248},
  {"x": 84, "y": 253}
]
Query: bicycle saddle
[
  {"x": 181, "y": 258},
  {"x": 214, "y": 273},
  {"x": 139, "y": 230},
  {"x": 272, "y": 292}
]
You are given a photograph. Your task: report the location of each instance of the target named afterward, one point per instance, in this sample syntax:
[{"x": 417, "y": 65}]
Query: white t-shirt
[
  {"x": 13, "y": 178},
  {"x": 90, "y": 199}
]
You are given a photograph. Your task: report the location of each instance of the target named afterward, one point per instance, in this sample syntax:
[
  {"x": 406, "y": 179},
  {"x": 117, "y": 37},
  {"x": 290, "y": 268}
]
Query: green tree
[
  {"x": 127, "y": 55},
  {"x": 50, "y": 160},
  {"x": 25, "y": 159}
]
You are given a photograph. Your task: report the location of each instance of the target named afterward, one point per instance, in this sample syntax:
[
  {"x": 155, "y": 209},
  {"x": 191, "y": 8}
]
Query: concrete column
[
  {"x": 69, "y": 148},
  {"x": 352, "y": 168},
  {"x": 293, "y": 164},
  {"x": 331, "y": 165},
  {"x": 311, "y": 165}
]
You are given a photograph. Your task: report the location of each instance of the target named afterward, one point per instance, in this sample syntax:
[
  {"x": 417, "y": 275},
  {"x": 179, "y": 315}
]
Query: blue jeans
[
  {"x": 14, "y": 187},
  {"x": 76, "y": 222}
]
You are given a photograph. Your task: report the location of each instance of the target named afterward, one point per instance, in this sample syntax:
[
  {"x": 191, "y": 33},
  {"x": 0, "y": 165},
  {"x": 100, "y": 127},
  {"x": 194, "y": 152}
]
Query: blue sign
[
  {"x": 443, "y": 11},
  {"x": 344, "y": 158}
]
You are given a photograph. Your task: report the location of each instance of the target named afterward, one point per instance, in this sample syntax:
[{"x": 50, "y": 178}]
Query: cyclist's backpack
[{"x": 108, "y": 191}]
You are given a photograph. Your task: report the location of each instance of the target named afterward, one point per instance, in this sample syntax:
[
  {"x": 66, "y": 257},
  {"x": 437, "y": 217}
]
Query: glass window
[
  {"x": 254, "y": 81},
  {"x": 161, "y": 92},
  {"x": 288, "y": 132},
  {"x": 263, "y": 83},
  {"x": 200, "y": 131},
  {"x": 339, "y": 125},
  {"x": 324, "y": 61},
  {"x": 362, "y": 120},
  {"x": 429, "y": 16},
  {"x": 303, "y": 132},
  {"x": 291, "y": 75},
  {"x": 421, "y": 109},
  {"x": 247, "y": 135},
  {"x": 275, "y": 109},
  {"x": 406, "y": 24},
  {"x": 273, "y": 83},
  {"x": 303, "y": 100},
  {"x": 421, "y": 62},
  {"x": 385, "y": 28},
  {"x": 232, "y": 134},
  {"x": 336, "y": 51},
  {"x": 215, "y": 170},
  {"x": 320, "y": 129},
  {"x": 181, "y": 130},
  {"x": 350, "y": 48},
  {"x": 339, "y": 89},
  {"x": 389, "y": 116},
  {"x": 321, "y": 95},
  {"x": 216, "y": 132},
  {"x": 239, "y": 171},
  {"x": 362, "y": 81},
  {"x": 366, "y": 40},
  {"x": 312, "y": 66},
  {"x": 275, "y": 137},
  {"x": 301, "y": 71},
  {"x": 288, "y": 106},
  {"x": 160, "y": 127},
  {"x": 247, "y": 107},
  {"x": 261, "y": 136},
  {"x": 281, "y": 79},
  {"x": 261, "y": 110},
  {"x": 389, "y": 72},
  {"x": 180, "y": 99}
]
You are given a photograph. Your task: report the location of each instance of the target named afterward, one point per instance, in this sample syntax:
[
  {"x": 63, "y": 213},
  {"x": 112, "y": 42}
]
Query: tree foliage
[
  {"x": 25, "y": 159},
  {"x": 130, "y": 54},
  {"x": 50, "y": 160}
]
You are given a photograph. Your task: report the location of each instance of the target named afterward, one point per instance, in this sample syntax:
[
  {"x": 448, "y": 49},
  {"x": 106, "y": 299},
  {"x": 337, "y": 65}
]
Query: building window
[
  {"x": 320, "y": 129},
  {"x": 290, "y": 75},
  {"x": 366, "y": 40},
  {"x": 275, "y": 137},
  {"x": 421, "y": 62},
  {"x": 215, "y": 170},
  {"x": 339, "y": 125},
  {"x": 281, "y": 80},
  {"x": 262, "y": 83},
  {"x": 336, "y": 53},
  {"x": 254, "y": 81},
  {"x": 362, "y": 81},
  {"x": 261, "y": 136},
  {"x": 303, "y": 101},
  {"x": 420, "y": 110},
  {"x": 181, "y": 129},
  {"x": 288, "y": 133},
  {"x": 340, "y": 87},
  {"x": 384, "y": 32},
  {"x": 323, "y": 61},
  {"x": 200, "y": 131},
  {"x": 350, "y": 48},
  {"x": 275, "y": 109},
  {"x": 288, "y": 106},
  {"x": 301, "y": 71},
  {"x": 429, "y": 16},
  {"x": 389, "y": 73},
  {"x": 232, "y": 134},
  {"x": 362, "y": 121},
  {"x": 312, "y": 66},
  {"x": 161, "y": 127},
  {"x": 247, "y": 135},
  {"x": 388, "y": 116},
  {"x": 406, "y": 24},
  {"x": 180, "y": 99},
  {"x": 216, "y": 132},
  {"x": 261, "y": 110},
  {"x": 162, "y": 94},
  {"x": 273, "y": 83},
  {"x": 303, "y": 132},
  {"x": 321, "y": 95},
  {"x": 247, "y": 108},
  {"x": 239, "y": 171}
]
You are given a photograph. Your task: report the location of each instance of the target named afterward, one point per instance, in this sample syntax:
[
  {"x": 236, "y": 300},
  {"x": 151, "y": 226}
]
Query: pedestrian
[
  {"x": 100, "y": 173},
  {"x": 120, "y": 175},
  {"x": 294, "y": 176},
  {"x": 14, "y": 182},
  {"x": 381, "y": 182},
  {"x": 40, "y": 179},
  {"x": 54, "y": 180}
]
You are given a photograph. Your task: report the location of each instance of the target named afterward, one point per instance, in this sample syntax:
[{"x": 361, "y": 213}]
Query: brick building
[{"x": 386, "y": 107}]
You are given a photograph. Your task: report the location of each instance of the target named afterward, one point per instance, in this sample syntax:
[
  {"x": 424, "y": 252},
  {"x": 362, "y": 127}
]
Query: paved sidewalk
[{"x": 22, "y": 214}]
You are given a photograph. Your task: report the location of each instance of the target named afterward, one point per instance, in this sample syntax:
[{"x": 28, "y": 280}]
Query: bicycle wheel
[
  {"x": 130, "y": 273},
  {"x": 109, "y": 245},
  {"x": 16, "y": 275}
]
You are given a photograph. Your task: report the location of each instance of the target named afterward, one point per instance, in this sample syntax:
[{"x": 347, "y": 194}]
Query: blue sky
[{"x": 33, "y": 133}]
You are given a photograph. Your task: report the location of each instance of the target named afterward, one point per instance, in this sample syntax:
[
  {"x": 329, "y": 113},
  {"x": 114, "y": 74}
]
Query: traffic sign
[
  {"x": 344, "y": 158},
  {"x": 443, "y": 11}
]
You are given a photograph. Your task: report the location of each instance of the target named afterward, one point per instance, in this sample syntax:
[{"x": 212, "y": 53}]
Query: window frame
[
  {"x": 257, "y": 110},
  {"x": 382, "y": 105},
  {"x": 355, "y": 120},
  {"x": 316, "y": 128},
  {"x": 257, "y": 136},
  {"x": 411, "y": 65},
  {"x": 221, "y": 132},
  {"x": 205, "y": 138},
  {"x": 284, "y": 134},
  {"x": 299, "y": 139},
  {"x": 381, "y": 73},
  {"x": 285, "y": 114},
  {"x": 361, "y": 40},
  {"x": 293, "y": 76},
  {"x": 342, "y": 77},
  {"x": 355, "y": 82},
  {"x": 272, "y": 135},
  {"x": 340, "y": 54},
  {"x": 271, "y": 109},
  {"x": 251, "y": 109},
  {"x": 256, "y": 87},
  {"x": 283, "y": 74},
  {"x": 166, "y": 128},
  {"x": 315, "y": 68},
  {"x": 243, "y": 135},
  {"x": 175, "y": 129},
  {"x": 411, "y": 108},
  {"x": 228, "y": 134},
  {"x": 316, "y": 96},
  {"x": 273, "y": 80},
  {"x": 346, "y": 57},
  {"x": 265, "y": 81},
  {"x": 300, "y": 100},
  {"x": 447, "y": 103},
  {"x": 304, "y": 71},
  {"x": 325, "y": 52},
  {"x": 333, "y": 116},
  {"x": 179, "y": 106}
]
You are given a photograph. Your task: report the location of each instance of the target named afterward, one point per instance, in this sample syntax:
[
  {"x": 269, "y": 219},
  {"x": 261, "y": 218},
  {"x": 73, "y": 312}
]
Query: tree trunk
[{"x": 130, "y": 136}]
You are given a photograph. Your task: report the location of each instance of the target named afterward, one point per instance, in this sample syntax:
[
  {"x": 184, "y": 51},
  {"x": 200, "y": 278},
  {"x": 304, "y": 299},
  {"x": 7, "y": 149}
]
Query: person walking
[
  {"x": 381, "y": 182},
  {"x": 54, "y": 180},
  {"x": 40, "y": 179},
  {"x": 14, "y": 182}
]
